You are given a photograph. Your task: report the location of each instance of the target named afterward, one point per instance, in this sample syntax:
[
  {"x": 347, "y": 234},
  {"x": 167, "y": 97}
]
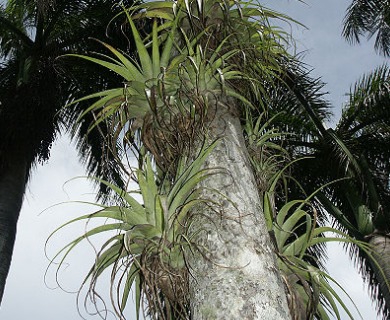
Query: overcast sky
[{"x": 28, "y": 297}]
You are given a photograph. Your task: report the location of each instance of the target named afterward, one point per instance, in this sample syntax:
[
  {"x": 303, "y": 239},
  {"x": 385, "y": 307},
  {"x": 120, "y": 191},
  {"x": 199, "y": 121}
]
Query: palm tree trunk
[
  {"x": 381, "y": 252},
  {"x": 234, "y": 274},
  {"x": 12, "y": 187}
]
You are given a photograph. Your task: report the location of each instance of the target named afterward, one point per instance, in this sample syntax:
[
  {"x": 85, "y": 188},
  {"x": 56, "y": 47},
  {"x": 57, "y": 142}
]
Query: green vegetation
[{"x": 236, "y": 172}]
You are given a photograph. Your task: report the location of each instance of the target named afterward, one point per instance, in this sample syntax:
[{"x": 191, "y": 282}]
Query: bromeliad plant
[
  {"x": 165, "y": 88},
  {"x": 310, "y": 293},
  {"x": 147, "y": 252},
  {"x": 266, "y": 153},
  {"x": 294, "y": 226},
  {"x": 196, "y": 51}
]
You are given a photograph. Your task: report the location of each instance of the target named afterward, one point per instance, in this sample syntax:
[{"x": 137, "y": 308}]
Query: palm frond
[
  {"x": 32, "y": 35},
  {"x": 368, "y": 17}
]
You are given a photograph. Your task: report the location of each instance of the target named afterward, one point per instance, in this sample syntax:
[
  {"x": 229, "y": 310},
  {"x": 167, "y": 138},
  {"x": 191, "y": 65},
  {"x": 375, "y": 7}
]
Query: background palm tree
[
  {"x": 369, "y": 17},
  {"x": 353, "y": 158},
  {"x": 33, "y": 90},
  {"x": 367, "y": 119}
]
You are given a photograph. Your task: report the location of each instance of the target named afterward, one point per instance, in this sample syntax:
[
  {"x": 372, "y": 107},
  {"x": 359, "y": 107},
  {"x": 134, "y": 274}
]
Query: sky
[{"x": 31, "y": 295}]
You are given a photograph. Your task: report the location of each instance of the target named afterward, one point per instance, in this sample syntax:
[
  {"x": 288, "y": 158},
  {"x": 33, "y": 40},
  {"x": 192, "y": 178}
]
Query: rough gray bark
[
  {"x": 12, "y": 187},
  {"x": 381, "y": 252},
  {"x": 236, "y": 276}
]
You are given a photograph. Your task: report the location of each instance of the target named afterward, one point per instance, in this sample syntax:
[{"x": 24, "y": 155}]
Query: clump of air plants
[
  {"x": 309, "y": 292},
  {"x": 294, "y": 227},
  {"x": 147, "y": 252},
  {"x": 181, "y": 66},
  {"x": 268, "y": 157}
]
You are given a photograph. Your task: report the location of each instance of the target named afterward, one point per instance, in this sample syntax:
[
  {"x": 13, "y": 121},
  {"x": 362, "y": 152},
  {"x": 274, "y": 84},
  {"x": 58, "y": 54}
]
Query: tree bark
[
  {"x": 234, "y": 274},
  {"x": 12, "y": 187},
  {"x": 381, "y": 252}
]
